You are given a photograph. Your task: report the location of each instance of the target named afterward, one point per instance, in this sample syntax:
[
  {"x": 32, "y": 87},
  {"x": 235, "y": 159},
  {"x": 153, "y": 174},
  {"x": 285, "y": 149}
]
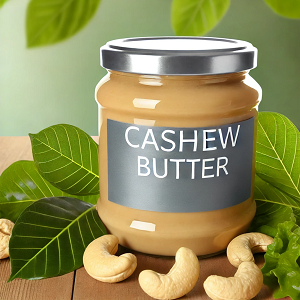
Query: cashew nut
[
  {"x": 245, "y": 284},
  {"x": 240, "y": 249},
  {"x": 101, "y": 263},
  {"x": 6, "y": 227},
  {"x": 179, "y": 281}
]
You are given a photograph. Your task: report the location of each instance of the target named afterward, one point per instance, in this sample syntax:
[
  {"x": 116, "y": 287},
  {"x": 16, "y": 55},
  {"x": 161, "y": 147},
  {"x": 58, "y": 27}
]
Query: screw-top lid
[{"x": 178, "y": 55}]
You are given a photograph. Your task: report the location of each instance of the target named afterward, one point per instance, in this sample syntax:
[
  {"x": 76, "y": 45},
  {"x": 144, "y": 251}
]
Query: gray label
[{"x": 172, "y": 169}]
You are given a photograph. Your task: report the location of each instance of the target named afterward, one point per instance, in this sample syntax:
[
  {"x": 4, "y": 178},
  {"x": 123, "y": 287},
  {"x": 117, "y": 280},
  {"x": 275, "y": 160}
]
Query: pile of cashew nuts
[{"x": 101, "y": 263}]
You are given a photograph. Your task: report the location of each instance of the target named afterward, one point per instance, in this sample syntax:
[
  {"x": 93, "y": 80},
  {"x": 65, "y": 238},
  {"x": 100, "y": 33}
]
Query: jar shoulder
[{"x": 180, "y": 97}]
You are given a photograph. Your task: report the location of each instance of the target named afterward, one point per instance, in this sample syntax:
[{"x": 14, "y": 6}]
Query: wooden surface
[{"x": 79, "y": 285}]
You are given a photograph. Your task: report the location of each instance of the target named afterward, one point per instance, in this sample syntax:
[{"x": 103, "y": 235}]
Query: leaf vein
[
  {"x": 289, "y": 175},
  {"x": 89, "y": 171}
]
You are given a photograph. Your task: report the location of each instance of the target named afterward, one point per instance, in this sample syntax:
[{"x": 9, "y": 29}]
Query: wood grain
[
  {"x": 13, "y": 149},
  {"x": 45, "y": 289},
  {"x": 79, "y": 285}
]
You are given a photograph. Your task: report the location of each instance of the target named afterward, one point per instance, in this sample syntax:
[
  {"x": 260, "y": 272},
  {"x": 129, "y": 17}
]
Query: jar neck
[{"x": 158, "y": 80}]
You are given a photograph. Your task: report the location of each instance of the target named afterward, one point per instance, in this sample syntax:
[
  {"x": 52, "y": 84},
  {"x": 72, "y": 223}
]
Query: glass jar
[{"x": 177, "y": 120}]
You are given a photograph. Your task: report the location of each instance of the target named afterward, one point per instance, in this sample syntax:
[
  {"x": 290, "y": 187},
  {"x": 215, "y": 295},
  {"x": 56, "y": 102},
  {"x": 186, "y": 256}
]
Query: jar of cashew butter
[{"x": 177, "y": 119}]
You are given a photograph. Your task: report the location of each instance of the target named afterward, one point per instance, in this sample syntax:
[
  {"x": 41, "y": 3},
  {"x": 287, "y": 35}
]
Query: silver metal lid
[{"x": 178, "y": 55}]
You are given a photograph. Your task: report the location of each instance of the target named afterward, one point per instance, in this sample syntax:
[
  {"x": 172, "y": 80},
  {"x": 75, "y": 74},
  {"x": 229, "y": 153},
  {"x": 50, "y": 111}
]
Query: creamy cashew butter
[{"x": 177, "y": 120}]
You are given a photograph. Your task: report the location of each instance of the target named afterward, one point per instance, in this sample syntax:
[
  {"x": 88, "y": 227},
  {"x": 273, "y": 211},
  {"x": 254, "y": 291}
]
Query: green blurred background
[{"x": 55, "y": 84}]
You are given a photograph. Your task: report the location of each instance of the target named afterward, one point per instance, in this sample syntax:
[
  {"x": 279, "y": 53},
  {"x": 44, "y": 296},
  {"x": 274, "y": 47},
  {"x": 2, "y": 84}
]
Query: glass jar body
[{"x": 170, "y": 102}]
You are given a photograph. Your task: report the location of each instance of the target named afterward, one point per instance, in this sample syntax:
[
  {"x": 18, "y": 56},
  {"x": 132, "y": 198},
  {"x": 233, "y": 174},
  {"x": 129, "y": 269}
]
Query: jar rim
[{"x": 178, "y": 55}]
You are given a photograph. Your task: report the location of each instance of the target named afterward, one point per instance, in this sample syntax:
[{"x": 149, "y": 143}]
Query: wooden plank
[
  {"x": 45, "y": 289},
  {"x": 11, "y": 150}
]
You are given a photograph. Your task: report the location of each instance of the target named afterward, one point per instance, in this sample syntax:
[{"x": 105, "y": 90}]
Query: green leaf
[
  {"x": 51, "y": 21},
  {"x": 278, "y": 153},
  {"x": 2, "y": 2},
  {"x": 68, "y": 158},
  {"x": 285, "y": 8},
  {"x": 281, "y": 270},
  {"x": 50, "y": 236},
  {"x": 278, "y": 199},
  {"x": 273, "y": 208},
  {"x": 21, "y": 185},
  {"x": 197, "y": 17}
]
